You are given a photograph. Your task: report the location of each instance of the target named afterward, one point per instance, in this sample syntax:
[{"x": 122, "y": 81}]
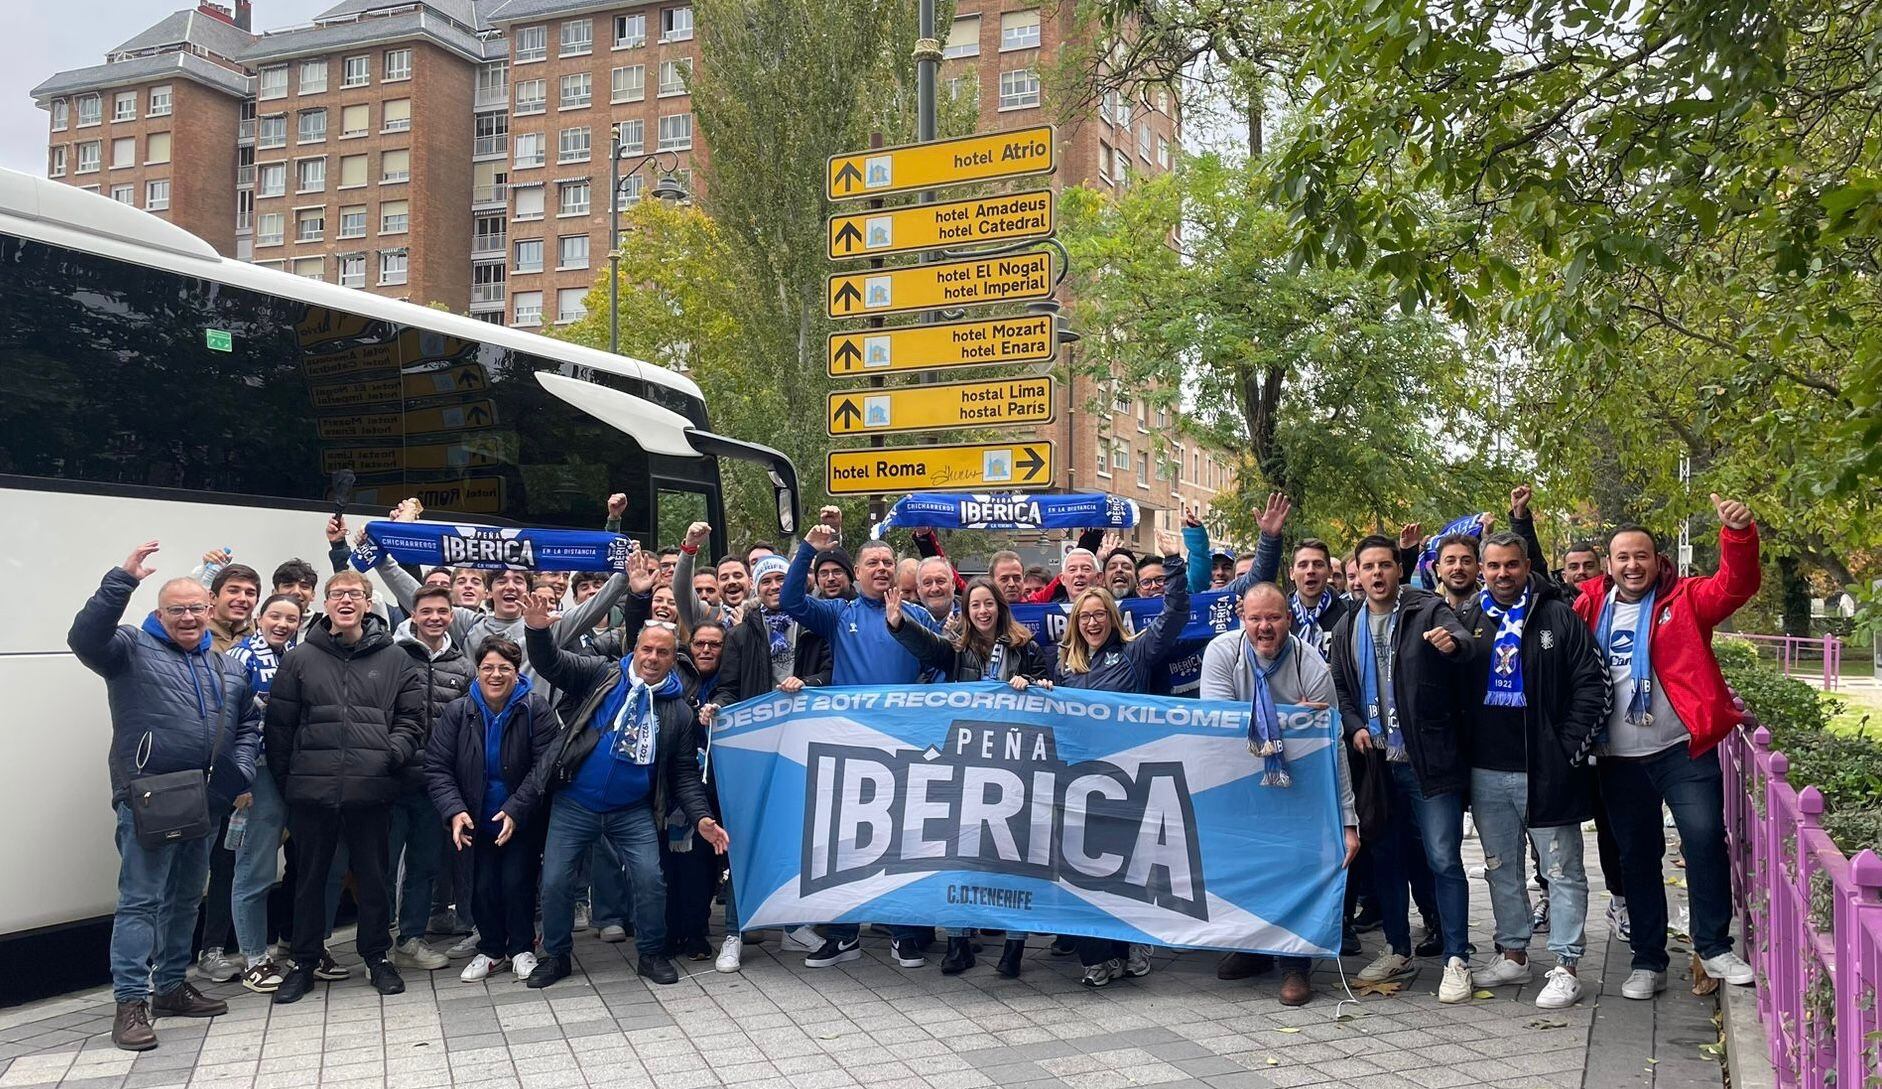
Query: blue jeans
[
  {"x": 607, "y": 887},
  {"x": 1500, "y": 801},
  {"x": 256, "y": 869},
  {"x": 1695, "y": 791},
  {"x": 573, "y": 829},
  {"x": 158, "y": 893},
  {"x": 417, "y": 831},
  {"x": 1438, "y": 824}
]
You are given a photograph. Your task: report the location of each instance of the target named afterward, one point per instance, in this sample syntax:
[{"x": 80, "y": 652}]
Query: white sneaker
[
  {"x": 1731, "y": 968},
  {"x": 1642, "y": 984},
  {"x": 580, "y": 920},
  {"x": 480, "y": 967},
  {"x": 730, "y": 954},
  {"x": 1618, "y": 922},
  {"x": 466, "y": 946},
  {"x": 1501, "y": 972},
  {"x": 1560, "y": 990},
  {"x": 1102, "y": 973},
  {"x": 803, "y": 939},
  {"x": 1137, "y": 961},
  {"x": 1389, "y": 965},
  {"x": 613, "y": 933},
  {"x": 523, "y": 964},
  {"x": 414, "y": 953},
  {"x": 1455, "y": 987}
]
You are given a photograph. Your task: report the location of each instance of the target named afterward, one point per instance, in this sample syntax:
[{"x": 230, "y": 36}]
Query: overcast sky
[{"x": 43, "y": 38}]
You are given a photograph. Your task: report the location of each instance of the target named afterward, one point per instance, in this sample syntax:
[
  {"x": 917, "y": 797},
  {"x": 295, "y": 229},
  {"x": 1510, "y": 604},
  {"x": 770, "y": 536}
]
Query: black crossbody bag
[{"x": 172, "y": 807}]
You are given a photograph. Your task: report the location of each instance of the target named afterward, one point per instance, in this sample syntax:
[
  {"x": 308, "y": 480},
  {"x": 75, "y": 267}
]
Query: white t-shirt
[{"x": 1625, "y": 738}]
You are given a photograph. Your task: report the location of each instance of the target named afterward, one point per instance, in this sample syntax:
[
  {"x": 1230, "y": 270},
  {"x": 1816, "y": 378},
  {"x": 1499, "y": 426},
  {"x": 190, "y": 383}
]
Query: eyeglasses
[
  {"x": 1151, "y": 580},
  {"x": 496, "y": 670},
  {"x": 1092, "y": 618},
  {"x": 178, "y": 612},
  {"x": 346, "y": 594}
]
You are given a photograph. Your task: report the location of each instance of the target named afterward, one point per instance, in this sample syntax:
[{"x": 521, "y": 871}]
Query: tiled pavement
[{"x": 778, "y": 1025}]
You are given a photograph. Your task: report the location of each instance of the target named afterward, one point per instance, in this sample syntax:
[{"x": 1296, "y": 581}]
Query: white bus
[{"x": 150, "y": 388}]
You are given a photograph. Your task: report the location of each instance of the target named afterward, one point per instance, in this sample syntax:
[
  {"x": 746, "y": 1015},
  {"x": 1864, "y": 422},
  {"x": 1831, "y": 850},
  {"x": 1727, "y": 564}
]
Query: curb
[{"x": 1747, "y": 1050}]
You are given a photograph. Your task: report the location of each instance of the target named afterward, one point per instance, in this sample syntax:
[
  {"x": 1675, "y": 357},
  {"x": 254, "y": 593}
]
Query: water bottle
[{"x": 238, "y": 830}]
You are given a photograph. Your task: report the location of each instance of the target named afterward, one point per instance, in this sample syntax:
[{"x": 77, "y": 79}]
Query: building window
[
  {"x": 353, "y": 270},
  {"x": 630, "y": 31},
  {"x": 529, "y": 201},
  {"x": 676, "y": 132},
  {"x": 352, "y": 171},
  {"x": 1143, "y": 470},
  {"x": 395, "y": 166},
  {"x": 528, "y": 308},
  {"x": 58, "y": 162},
  {"x": 391, "y": 266},
  {"x": 490, "y": 134},
  {"x": 310, "y": 175},
  {"x": 310, "y": 224},
  {"x": 963, "y": 37},
  {"x": 398, "y": 66},
  {"x": 1163, "y": 153},
  {"x": 568, "y": 304},
  {"x": 577, "y": 91},
  {"x": 356, "y": 71},
  {"x": 628, "y": 83},
  {"x": 1120, "y": 456},
  {"x": 244, "y": 209},
  {"x": 124, "y": 194},
  {"x": 271, "y": 180},
  {"x": 313, "y": 268},
  {"x": 1019, "y": 30},
  {"x": 571, "y": 252},
  {"x": 676, "y": 24},
  {"x": 1121, "y": 167},
  {"x": 529, "y": 151},
  {"x": 156, "y": 148},
  {"x": 395, "y": 115},
  {"x": 1143, "y": 141},
  {"x": 355, "y": 121},
  {"x": 313, "y": 126},
  {"x": 1104, "y": 459},
  {"x": 272, "y": 82},
  {"x": 1104, "y": 160},
  {"x": 89, "y": 109},
  {"x": 353, "y": 221},
  {"x": 632, "y": 135},
  {"x": 124, "y": 106},
  {"x": 529, "y": 255},
  {"x": 675, "y": 75},
  {"x": 572, "y": 146},
  {"x": 1019, "y": 89},
  {"x": 60, "y": 114},
  {"x": 123, "y": 152},
  {"x": 268, "y": 228},
  {"x": 313, "y": 76},
  {"x": 532, "y": 44},
  {"x": 963, "y": 88},
  {"x": 578, "y": 37},
  {"x": 631, "y": 187},
  {"x": 531, "y": 96},
  {"x": 493, "y": 84},
  {"x": 88, "y": 156},
  {"x": 394, "y": 216},
  {"x": 572, "y": 198},
  {"x": 271, "y": 131}
]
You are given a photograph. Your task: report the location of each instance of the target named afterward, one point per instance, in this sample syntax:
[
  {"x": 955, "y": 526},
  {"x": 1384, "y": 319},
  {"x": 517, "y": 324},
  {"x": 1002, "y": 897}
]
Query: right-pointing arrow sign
[{"x": 1031, "y": 463}]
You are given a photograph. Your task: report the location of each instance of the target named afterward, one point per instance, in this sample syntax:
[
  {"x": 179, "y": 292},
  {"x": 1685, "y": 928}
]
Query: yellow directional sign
[
  {"x": 945, "y": 284},
  {"x": 1011, "y": 217},
  {"x": 983, "y": 157},
  {"x": 931, "y": 408},
  {"x": 990, "y": 341},
  {"x": 994, "y": 465},
  {"x": 470, "y": 495},
  {"x": 472, "y": 416},
  {"x": 473, "y": 451},
  {"x": 463, "y": 378}
]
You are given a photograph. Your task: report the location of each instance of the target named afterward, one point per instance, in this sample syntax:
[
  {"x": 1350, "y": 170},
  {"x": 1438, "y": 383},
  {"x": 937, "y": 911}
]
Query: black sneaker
[
  {"x": 549, "y": 969},
  {"x": 1349, "y": 942},
  {"x": 1431, "y": 946},
  {"x": 834, "y": 952},
  {"x": 959, "y": 958},
  {"x": 295, "y": 984},
  {"x": 1063, "y": 946},
  {"x": 385, "y": 978},
  {"x": 657, "y": 968},
  {"x": 1370, "y": 918},
  {"x": 1011, "y": 957},
  {"x": 330, "y": 969},
  {"x": 908, "y": 952}
]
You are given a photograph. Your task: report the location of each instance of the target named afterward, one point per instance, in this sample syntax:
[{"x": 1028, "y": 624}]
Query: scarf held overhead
[
  {"x": 1506, "y": 651},
  {"x": 940, "y": 510},
  {"x": 494, "y": 548}
]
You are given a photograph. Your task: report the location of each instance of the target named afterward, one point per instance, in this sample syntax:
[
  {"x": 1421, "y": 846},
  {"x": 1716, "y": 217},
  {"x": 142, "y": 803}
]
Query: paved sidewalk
[{"x": 778, "y": 1025}]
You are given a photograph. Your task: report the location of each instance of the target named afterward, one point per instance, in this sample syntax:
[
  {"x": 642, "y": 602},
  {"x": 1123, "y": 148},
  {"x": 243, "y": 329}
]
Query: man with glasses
[
  {"x": 346, "y": 717},
  {"x": 1150, "y": 576},
  {"x": 177, "y": 704}
]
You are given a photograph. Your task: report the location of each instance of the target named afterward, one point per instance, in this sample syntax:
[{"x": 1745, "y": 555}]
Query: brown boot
[
  {"x": 187, "y": 1001},
  {"x": 1295, "y": 990},
  {"x": 131, "y": 1029}
]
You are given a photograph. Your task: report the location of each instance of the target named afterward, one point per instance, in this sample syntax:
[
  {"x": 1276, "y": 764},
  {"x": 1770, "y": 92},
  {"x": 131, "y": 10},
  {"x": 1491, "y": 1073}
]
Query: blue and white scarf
[
  {"x": 1307, "y": 620},
  {"x": 637, "y": 728},
  {"x": 1264, "y": 719},
  {"x": 493, "y": 548},
  {"x": 1381, "y": 716},
  {"x": 1506, "y": 652},
  {"x": 1640, "y": 669}
]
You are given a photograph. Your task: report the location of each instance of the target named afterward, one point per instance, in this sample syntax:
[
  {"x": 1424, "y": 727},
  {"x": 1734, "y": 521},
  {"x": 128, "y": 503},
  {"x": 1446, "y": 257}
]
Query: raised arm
[
  {"x": 691, "y": 609},
  {"x": 795, "y": 601},
  {"x": 1159, "y": 639},
  {"x": 1722, "y": 593},
  {"x": 94, "y": 636},
  {"x": 581, "y": 619},
  {"x": 1196, "y": 542},
  {"x": 928, "y": 647},
  {"x": 562, "y": 668}
]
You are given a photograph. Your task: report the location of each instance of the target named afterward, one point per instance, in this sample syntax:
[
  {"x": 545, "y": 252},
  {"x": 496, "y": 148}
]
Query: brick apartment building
[{"x": 457, "y": 152}]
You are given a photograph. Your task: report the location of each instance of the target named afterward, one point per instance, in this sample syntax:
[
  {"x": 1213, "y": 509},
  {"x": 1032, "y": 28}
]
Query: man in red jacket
[{"x": 1669, "y": 711}]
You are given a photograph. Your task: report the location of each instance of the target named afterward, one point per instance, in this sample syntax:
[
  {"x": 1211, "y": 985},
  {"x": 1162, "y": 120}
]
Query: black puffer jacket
[
  {"x": 344, "y": 721},
  {"x": 745, "y": 668},
  {"x": 965, "y": 664},
  {"x": 1426, "y": 686},
  {"x": 448, "y": 677},
  {"x": 455, "y": 759}
]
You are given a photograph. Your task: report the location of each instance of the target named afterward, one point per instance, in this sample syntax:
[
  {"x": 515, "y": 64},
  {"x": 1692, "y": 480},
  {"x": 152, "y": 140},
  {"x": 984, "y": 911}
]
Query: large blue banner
[
  {"x": 495, "y": 548},
  {"x": 1136, "y": 818},
  {"x": 1006, "y": 510},
  {"x": 1210, "y": 614}
]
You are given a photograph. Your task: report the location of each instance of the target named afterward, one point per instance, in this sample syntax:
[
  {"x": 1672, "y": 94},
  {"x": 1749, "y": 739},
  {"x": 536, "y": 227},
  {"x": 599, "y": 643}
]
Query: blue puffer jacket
[
  {"x": 191, "y": 701},
  {"x": 1119, "y": 666}
]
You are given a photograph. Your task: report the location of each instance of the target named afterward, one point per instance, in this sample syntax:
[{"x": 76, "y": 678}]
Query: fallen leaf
[
  {"x": 1387, "y": 988},
  {"x": 1545, "y": 1023},
  {"x": 1483, "y": 994},
  {"x": 1272, "y": 1061},
  {"x": 1653, "y": 1062},
  {"x": 1288, "y": 1030}
]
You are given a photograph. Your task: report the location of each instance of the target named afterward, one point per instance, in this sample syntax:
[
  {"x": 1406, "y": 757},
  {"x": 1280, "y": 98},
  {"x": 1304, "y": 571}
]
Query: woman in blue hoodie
[{"x": 477, "y": 767}]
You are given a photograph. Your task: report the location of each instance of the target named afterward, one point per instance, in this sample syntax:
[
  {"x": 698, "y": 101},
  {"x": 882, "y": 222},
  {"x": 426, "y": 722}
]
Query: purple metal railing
[
  {"x": 1794, "y": 649},
  {"x": 1812, "y": 921}
]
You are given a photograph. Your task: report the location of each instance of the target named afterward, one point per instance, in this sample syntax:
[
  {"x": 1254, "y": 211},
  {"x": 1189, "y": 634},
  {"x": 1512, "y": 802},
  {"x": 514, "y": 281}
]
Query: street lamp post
[{"x": 666, "y": 187}]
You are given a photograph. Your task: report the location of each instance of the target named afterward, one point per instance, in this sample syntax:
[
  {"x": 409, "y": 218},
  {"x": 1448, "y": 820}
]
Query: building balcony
[
  {"x": 245, "y": 131},
  {"x": 487, "y": 295},
  {"x": 245, "y": 175},
  {"x": 484, "y": 245},
  {"x": 491, "y": 147},
  {"x": 495, "y": 98},
  {"x": 497, "y": 194}
]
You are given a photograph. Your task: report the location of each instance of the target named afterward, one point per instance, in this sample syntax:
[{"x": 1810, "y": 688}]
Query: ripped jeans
[{"x": 1499, "y": 801}]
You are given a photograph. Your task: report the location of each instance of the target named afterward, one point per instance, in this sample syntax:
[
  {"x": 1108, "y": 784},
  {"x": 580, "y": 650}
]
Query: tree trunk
[{"x": 1794, "y": 601}]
